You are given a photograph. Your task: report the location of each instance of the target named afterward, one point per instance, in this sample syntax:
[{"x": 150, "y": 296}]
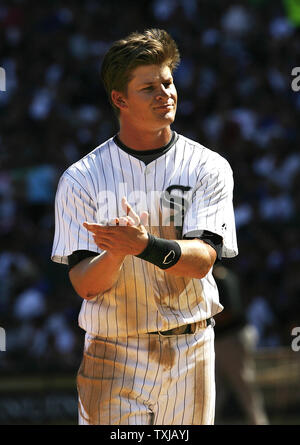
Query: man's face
[{"x": 151, "y": 98}]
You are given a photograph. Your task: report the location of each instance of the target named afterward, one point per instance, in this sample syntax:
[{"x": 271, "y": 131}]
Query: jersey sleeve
[
  {"x": 73, "y": 206},
  {"x": 211, "y": 206}
]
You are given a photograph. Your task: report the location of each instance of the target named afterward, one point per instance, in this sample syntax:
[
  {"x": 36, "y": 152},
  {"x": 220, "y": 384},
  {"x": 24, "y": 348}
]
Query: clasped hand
[{"x": 126, "y": 235}]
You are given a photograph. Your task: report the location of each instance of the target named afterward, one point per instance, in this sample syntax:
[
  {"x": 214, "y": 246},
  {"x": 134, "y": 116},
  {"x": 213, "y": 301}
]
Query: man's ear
[{"x": 118, "y": 99}]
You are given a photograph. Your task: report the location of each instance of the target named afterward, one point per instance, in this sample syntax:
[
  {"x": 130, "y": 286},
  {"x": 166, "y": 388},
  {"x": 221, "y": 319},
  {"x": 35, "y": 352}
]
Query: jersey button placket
[{"x": 148, "y": 187}]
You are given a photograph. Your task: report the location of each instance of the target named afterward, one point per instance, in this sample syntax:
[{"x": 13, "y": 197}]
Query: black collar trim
[{"x": 157, "y": 151}]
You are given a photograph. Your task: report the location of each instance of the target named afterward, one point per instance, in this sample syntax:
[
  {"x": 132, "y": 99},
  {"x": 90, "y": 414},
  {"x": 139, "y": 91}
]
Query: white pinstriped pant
[{"x": 148, "y": 380}]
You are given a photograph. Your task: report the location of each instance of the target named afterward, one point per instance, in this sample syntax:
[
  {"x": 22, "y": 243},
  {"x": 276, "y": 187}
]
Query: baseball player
[{"x": 140, "y": 222}]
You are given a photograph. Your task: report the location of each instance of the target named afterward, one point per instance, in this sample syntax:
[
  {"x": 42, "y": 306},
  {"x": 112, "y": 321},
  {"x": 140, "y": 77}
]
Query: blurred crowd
[{"x": 235, "y": 97}]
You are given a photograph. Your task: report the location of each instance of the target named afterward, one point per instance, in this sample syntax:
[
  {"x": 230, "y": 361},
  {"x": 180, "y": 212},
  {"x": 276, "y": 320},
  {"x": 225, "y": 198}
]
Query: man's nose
[{"x": 163, "y": 93}]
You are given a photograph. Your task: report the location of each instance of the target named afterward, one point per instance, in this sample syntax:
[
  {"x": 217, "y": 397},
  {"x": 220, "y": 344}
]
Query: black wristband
[{"x": 161, "y": 252}]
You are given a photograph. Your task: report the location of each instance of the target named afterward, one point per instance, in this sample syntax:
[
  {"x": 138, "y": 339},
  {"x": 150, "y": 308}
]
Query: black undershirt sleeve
[
  {"x": 214, "y": 240},
  {"x": 78, "y": 256}
]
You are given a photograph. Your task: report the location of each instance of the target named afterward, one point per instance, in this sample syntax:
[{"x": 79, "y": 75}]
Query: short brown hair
[{"x": 151, "y": 47}]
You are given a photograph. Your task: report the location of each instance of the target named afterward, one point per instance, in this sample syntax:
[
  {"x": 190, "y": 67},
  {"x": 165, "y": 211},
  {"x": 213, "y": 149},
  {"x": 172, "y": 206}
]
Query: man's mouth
[{"x": 165, "y": 107}]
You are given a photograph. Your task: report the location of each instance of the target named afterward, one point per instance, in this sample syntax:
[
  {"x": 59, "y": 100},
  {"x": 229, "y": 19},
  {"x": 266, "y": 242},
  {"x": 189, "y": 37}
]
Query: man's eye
[{"x": 148, "y": 88}]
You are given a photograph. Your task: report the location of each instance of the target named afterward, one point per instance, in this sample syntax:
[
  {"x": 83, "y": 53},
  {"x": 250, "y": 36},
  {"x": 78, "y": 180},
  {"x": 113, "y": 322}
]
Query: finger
[
  {"x": 129, "y": 210},
  {"x": 126, "y": 221},
  {"x": 98, "y": 228},
  {"x": 123, "y": 221},
  {"x": 126, "y": 206},
  {"x": 114, "y": 222},
  {"x": 131, "y": 221},
  {"x": 91, "y": 227},
  {"x": 144, "y": 218}
]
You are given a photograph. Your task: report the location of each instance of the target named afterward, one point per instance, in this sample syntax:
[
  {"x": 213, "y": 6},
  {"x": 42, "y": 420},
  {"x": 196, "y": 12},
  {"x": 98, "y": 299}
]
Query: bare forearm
[
  {"x": 95, "y": 275},
  {"x": 197, "y": 258}
]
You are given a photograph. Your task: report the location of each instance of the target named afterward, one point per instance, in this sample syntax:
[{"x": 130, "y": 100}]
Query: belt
[{"x": 188, "y": 328}]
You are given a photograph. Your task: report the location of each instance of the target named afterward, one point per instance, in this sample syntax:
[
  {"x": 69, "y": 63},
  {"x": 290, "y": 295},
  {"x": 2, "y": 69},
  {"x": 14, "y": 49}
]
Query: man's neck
[{"x": 142, "y": 140}]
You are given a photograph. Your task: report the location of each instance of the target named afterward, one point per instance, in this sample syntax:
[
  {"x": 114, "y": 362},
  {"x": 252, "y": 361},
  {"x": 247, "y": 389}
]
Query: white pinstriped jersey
[{"x": 189, "y": 180}]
